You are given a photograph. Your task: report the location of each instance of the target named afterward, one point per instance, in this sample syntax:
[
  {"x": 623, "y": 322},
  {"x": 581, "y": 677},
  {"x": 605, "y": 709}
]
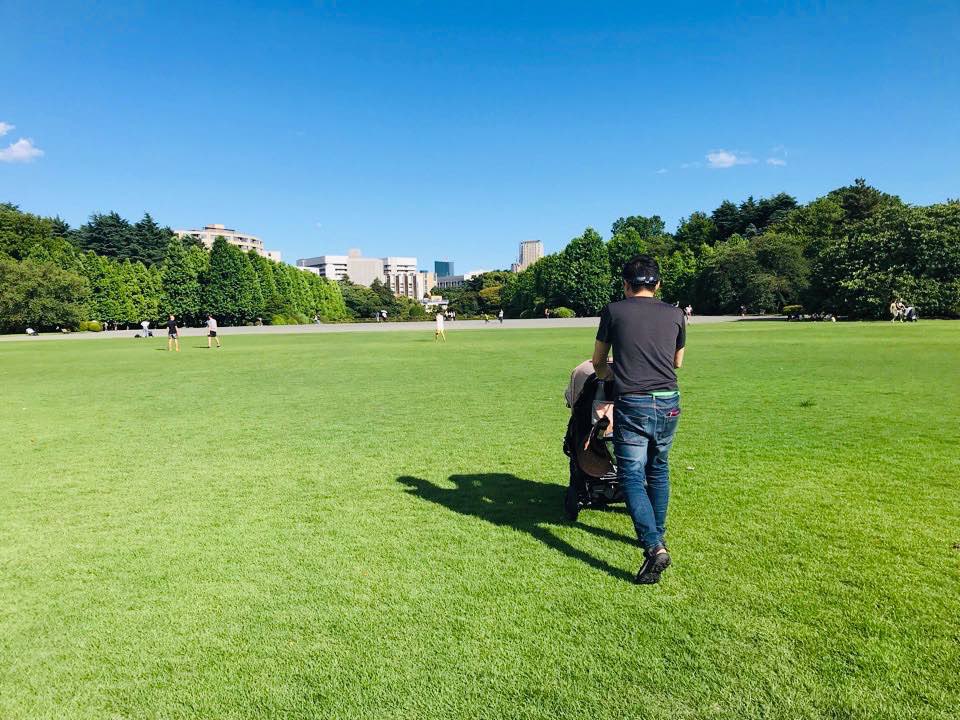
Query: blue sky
[{"x": 456, "y": 129}]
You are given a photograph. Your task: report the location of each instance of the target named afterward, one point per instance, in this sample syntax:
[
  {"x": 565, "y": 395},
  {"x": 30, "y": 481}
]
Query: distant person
[
  {"x": 648, "y": 337},
  {"x": 316, "y": 319},
  {"x": 173, "y": 333},
  {"x": 377, "y": 315},
  {"x": 546, "y": 313},
  {"x": 146, "y": 328},
  {"x": 688, "y": 312},
  {"x": 212, "y": 330},
  {"x": 743, "y": 311},
  {"x": 383, "y": 314},
  {"x": 31, "y": 332},
  {"x": 438, "y": 333},
  {"x": 500, "y": 316}
]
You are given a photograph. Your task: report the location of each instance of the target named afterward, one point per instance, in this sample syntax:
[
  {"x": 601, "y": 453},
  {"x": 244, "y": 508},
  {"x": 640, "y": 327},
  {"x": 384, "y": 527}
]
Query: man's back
[{"x": 645, "y": 334}]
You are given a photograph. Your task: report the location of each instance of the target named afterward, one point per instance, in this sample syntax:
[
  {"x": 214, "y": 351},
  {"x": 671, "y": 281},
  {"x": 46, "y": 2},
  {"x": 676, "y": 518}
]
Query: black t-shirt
[
  {"x": 172, "y": 327},
  {"x": 645, "y": 334}
]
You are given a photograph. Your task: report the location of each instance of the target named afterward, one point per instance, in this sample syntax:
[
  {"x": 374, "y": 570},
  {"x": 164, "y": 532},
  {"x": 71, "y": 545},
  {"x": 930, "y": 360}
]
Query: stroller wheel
[{"x": 571, "y": 503}]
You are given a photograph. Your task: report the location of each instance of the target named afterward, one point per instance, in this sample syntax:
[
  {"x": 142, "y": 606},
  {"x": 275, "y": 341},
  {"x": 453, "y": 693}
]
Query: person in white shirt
[
  {"x": 146, "y": 328},
  {"x": 438, "y": 334},
  {"x": 212, "y": 331}
]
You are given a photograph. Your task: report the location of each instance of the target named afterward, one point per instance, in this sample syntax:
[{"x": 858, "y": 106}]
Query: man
[
  {"x": 500, "y": 316},
  {"x": 173, "y": 334},
  {"x": 648, "y": 338},
  {"x": 894, "y": 310},
  {"x": 438, "y": 333},
  {"x": 212, "y": 331},
  {"x": 146, "y": 328}
]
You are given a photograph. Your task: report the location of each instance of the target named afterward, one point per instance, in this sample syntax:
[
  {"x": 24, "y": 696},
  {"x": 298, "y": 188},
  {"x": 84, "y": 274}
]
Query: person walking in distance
[
  {"x": 500, "y": 316},
  {"x": 648, "y": 339},
  {"x": 438, "y": 333},
  {"x": 173, "y": 334},
  {"x": 212, "y": 330}
]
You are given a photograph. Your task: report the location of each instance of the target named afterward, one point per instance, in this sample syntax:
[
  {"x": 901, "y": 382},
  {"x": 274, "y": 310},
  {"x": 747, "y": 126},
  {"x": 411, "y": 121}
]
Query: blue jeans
[{"x": 643, "y": 429}]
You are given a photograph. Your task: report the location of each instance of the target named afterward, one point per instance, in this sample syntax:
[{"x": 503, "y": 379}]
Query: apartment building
[{"x": 242, "y": 240}]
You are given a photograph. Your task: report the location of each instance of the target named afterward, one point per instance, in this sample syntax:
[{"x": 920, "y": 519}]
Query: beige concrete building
[
  {"x": 530, "y": 252},
  {"x": 360, "y": 270},
  {"x": 400, "y": 274},
  {"x": 244, "y": 241}
]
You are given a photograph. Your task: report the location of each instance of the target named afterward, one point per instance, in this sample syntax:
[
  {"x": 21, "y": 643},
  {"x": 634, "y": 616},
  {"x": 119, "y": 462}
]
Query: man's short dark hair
[{"x": 641, "y": 272}]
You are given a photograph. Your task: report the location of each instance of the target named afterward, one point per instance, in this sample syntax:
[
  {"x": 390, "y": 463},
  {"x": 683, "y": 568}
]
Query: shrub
[
  {"x": 89, "y": 326},
  {"x": 278, "y": 320},
  {"x": 562, "y": 312},
  {"x": 298, "y": 318},
  {"x": 792, "y": 309}
]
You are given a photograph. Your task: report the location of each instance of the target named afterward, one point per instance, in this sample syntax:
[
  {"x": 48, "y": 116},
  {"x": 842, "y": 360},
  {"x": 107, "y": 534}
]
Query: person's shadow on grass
[{"x": 509, "y": 501}]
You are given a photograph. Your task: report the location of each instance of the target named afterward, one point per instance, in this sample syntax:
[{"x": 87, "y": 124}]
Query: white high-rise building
[
  {"x": 244, "y": 241},
  {"x": 530, "y": 252},
  {"x": 400, "y": 274},
  {"x": 361, "y": 270}
]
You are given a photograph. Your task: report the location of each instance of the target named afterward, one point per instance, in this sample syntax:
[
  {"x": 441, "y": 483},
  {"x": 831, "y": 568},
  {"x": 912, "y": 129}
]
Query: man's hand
[{"x": 600, "y": 366}]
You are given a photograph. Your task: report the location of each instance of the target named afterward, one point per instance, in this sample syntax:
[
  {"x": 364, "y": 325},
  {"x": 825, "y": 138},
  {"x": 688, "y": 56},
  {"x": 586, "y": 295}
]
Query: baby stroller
[{"x": 593, "y": 470}]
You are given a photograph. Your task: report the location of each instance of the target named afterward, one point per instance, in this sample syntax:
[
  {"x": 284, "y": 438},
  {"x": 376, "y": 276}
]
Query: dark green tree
[
  {"x": 180, "y": 282},
  {"x": 695, "y": 231},
  {"x": 583, "y": 274},
  {"x": 39, "y": 295},
  {"x": 646, "y": 227}
]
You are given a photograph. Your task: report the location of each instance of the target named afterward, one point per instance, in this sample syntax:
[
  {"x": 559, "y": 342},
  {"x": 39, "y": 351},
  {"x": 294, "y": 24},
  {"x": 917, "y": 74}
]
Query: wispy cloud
[
  {"x": 23, "y": 150},
  {"x": 778, "y": 156},
  {"x": 5, "y": 128},
  {"x": 662, "y": 171},
  {"x": 727, "y": 159},
  {"x": 688, "y": 165}
]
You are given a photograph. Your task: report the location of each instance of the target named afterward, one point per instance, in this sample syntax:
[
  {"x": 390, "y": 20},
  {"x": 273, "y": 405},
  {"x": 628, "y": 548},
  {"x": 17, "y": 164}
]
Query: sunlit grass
[{"x": 370, "y": 526}]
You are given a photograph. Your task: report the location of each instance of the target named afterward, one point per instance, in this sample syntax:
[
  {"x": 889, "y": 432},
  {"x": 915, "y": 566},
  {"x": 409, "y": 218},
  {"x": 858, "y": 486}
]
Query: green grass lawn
[{"x": 369, "y": 526}]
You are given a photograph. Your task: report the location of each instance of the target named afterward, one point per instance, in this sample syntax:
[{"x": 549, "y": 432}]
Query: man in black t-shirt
[
  {"x": 173, "y": 334},
  {"x": 648, "y": 338}
]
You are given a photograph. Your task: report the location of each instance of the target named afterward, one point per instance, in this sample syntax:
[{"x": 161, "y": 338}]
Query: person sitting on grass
[
  {"x": 648, "y": 338},
  {"x": 173, "y": 334},
  {"x": 212, "y": 330}
]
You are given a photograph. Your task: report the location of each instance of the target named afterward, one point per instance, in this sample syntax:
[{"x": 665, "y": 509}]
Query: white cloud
[
  {"x": 687, "y": 165},
  {"x": 5, "y": 128},
  {"x": 662, "y": 171},
  {"x": 23, "y": 150},
  {"x": 726, "y": 159},
  {"x": 779, "y": 162}
]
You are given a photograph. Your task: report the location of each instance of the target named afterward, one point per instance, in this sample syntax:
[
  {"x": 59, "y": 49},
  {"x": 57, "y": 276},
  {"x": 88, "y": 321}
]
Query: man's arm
[
  {"x": 600, "y": 365},
  {"x": 678, "y": 358}
]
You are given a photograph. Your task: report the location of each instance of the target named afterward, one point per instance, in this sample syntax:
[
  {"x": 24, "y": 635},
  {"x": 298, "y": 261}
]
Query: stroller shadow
[{"x": 509, "y": 501}]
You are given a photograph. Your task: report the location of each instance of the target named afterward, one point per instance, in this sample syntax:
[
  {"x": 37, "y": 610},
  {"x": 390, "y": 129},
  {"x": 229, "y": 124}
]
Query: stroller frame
[{"x": 586, "y": 491}]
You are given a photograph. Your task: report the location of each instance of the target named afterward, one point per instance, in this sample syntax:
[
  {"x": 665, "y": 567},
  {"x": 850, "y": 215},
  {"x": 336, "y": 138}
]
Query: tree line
[
  {"x": 121, "y": 273},
  {"x": 849, "y": 252}
]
